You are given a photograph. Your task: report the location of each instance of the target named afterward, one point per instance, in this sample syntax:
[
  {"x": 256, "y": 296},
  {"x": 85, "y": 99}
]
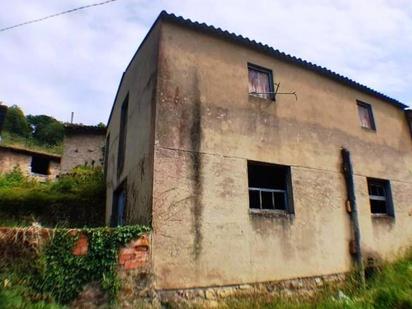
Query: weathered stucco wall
[
  {"x": 82, "y": 149},
  {"x": 10, "y": 159},
  {"x": 207, "y": 127},
  {"x": 139, "y": 82}
]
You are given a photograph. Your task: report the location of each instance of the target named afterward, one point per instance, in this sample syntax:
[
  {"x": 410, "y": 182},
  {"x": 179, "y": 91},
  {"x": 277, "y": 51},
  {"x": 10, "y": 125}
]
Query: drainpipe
[{"x": 353, "y": 210}]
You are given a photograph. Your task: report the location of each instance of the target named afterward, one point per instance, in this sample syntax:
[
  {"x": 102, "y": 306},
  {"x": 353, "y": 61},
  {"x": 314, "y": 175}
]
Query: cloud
[{"x": 74, "y": 62}]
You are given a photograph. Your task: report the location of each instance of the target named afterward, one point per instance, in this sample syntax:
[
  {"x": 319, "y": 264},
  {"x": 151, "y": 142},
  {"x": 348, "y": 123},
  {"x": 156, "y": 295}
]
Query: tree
[
  {"x": 46, "y": 130},
  {"x": 15, "y": 122}
]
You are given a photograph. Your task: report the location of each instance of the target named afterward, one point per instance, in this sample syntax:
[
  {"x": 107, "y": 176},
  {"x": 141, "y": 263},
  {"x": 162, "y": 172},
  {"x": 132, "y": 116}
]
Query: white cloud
[{"x": 74, "y": 62}]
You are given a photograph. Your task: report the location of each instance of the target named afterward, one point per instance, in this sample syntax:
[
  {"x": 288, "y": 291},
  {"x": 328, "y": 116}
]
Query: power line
[{"x": 57, "y": 14}]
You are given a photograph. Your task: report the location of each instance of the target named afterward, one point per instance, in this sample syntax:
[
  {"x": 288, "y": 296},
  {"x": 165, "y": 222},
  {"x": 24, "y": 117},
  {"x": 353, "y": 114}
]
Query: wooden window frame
[
  {"x": 368, "y": 107},
  {"x": 288, "y": 191},
  {"x": 389, "y": 207},
  {"x": 267, "y": 71}
]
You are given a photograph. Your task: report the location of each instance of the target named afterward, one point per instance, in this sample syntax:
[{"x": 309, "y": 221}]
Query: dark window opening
[
  {"x": 270, "y": 187},
  {"x": 118, "y": 217},
  {"x": 366, "y": 116},
  {"x": 122, "y": 136},
  {"x": 40, "y": 165},
  {"x": 106, "y": 155},
  {"x": 260, "y": 82},
  {"x": 380, "y": 196}
]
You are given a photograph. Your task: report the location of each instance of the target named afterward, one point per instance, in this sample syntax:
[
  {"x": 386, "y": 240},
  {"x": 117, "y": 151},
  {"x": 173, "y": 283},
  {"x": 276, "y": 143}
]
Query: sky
[{"x": 74, "y": 62}]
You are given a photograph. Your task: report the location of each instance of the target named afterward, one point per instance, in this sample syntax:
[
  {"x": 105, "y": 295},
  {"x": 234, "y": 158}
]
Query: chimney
[{"x": 3, "y": 111}]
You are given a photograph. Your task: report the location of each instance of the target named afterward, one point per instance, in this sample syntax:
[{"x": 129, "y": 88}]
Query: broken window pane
[
  {"x": 260, "y": 83},
  {"x": 269, "y": 186}
]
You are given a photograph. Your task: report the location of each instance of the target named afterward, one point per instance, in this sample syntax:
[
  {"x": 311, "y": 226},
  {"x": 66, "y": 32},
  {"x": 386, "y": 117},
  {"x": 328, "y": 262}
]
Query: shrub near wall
[
  {"x": 74, "y": 200},
  {"x": 55, "y": 265}
]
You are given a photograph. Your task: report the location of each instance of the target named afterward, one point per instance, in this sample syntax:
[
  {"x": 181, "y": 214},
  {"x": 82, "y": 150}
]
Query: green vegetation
[
  {"x": 57, "y": 276},
  {"x": 47, "y": 131},
  {"x": 73, "y": 200},
  {"x": 389, "y": 287},
  {"x": 16, "y": 123},
  {"x": 16, "y": 290},
  {"x": 39, "y": 133},
  {"x": 17, "y": 141},
  {"x": 64, "y": 275}
]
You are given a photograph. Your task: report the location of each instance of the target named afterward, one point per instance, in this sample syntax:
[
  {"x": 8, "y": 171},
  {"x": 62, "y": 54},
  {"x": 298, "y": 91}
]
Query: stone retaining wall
[
  {"x": 135, "y": 273},
  {"x": 305, "y": 287},
  {"x": 133, "y": 265}
]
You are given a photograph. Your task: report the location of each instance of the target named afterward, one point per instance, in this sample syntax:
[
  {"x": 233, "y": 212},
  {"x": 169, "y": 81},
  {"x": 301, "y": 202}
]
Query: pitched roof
[
  {"x": 239, "y": 39},
  {"x": 71, "y": 129},
  {"x": 30, "y": 152},
  {"x": 264, "y": 48}
]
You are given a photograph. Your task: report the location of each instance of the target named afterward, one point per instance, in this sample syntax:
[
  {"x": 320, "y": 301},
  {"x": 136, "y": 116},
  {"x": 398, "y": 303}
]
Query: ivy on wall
[{"x": 63, "y": 274}]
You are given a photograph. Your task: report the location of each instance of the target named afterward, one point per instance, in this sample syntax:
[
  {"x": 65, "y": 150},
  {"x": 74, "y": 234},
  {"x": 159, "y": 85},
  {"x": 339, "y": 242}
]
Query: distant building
[
  {"x": 32, "y": 163},
  {"x": 82, "y": 145},
  {"x": 242, "y": 184}
]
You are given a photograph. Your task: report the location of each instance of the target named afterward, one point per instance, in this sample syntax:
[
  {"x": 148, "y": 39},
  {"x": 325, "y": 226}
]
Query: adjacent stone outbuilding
[
  {"x": 32, "y": 163},
  {"x": 82, "y": 145},
  {"x": 244, "y": 185}
]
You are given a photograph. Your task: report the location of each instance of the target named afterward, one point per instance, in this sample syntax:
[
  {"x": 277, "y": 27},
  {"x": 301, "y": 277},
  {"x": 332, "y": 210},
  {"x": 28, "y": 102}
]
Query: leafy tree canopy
[
  {"x": 15, "y": 122},
  {"x": 46, "y": 130}
]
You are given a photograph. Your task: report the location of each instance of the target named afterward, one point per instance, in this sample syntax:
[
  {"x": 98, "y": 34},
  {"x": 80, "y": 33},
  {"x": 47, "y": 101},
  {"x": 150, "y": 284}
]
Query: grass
[
  {"x": 389, "y": 287},
  {"x": 12, "y": 140},
  {"x": 73, "y": 200},
  {"x": 16, "y": 291}
]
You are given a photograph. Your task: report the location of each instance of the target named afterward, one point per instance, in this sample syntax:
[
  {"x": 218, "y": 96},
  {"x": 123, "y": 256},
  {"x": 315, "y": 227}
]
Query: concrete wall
[
  {"x": 207, "y": 127},
  {"x": 139, "y": 82},
  {"x": 82, "y": 149},
  {"x": 10, "y": 159}
]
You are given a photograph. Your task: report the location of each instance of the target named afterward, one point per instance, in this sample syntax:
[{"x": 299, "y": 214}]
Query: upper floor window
[
  {"x": 260, "y": 82},
  {"x": 366, "y": 116},
  {"x": 380, "y": 196},
  {"x": 122, "y": 136},
  {"x": 270, "y": 187}
]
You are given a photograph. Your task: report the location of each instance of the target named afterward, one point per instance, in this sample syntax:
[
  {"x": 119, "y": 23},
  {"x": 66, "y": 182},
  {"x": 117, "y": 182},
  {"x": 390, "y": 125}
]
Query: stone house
[
  {"x": 82, "y": 145},
  {"x": 231, "y": 151},
  {"x": 43, "y": 166}
]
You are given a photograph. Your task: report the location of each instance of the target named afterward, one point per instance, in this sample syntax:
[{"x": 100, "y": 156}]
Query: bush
[
  {"x": 74, "y": 200},
  {"x": 15, "y": 178},
  {"x": 63, "y": 275}
]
